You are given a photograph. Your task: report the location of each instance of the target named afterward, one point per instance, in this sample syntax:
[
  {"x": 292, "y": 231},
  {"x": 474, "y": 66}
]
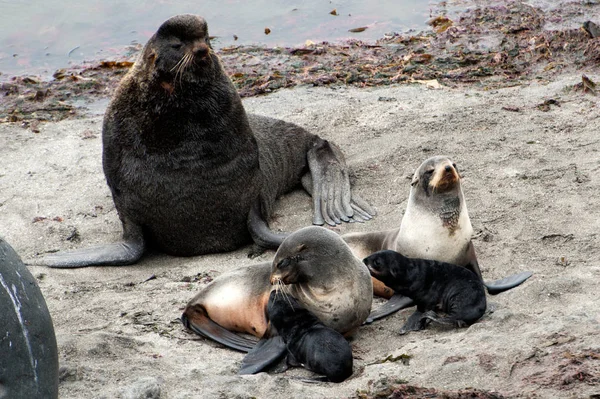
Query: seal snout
[
  {"x": 445, "y": 177},
  {"x": 201, "y": 50}
]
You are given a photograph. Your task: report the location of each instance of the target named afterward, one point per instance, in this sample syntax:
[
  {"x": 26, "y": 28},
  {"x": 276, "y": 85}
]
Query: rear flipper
[
  {"x": 116, "y": 254},
  {"x": 397, "y": 302},
  {"x": 261, "y": 234},
  {"x": 415, "y": 322},
  {"x": 265, "y": 354},
  {"x": 447, "y": 321},
  {"x": 329, "y": 185},
  {"x": 198, "y": 321},
  {"x": 505, "y": 284}
]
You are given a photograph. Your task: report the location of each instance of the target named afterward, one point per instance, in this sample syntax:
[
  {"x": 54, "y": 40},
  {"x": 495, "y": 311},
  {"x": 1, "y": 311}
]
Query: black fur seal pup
[
  {"x": 308, "y": 341},
  {"x": 28, "y": 351},
  {"x": 436, "y": 226},
  {"x": 432, "y": 285},
  {"x": 190, "y": 173}
]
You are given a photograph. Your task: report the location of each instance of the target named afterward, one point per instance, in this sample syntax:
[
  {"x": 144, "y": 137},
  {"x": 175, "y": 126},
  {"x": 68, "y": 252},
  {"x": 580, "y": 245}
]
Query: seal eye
[
  {"x": 429, "y": 172},
  {"x": 176, "y": 46},
  {"x": 283, "y": 263},
  {"x": 454, "y": 166}
]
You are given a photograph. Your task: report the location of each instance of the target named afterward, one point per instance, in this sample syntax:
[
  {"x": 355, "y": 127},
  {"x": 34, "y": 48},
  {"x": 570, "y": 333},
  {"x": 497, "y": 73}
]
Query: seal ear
[
  {"x": 301, "y": 247},
  {"x": 151, "y": 57},
  {"x": 415, "y": 180}
]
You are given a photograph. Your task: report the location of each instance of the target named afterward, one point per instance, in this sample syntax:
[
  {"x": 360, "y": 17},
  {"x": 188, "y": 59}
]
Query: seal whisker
[
  {"x": 181, "y": 69},
  {"x": 177, "y": 65}
]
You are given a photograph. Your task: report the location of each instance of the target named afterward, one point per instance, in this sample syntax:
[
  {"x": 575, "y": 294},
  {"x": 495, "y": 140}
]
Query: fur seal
[
  {"x": 29, "y": 355},
  {"x": 432, "y": 285},
  {"x": 190, "y": 173},
  {"x": 309, "y": 342},
  {"x": 313, "y": 265},
  {"x": 436, "y": 226}
]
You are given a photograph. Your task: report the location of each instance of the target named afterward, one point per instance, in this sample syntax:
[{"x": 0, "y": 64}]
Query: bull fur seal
[
  {"x": 309, "y": 342},
  {"x": 431, "y": 285},
  {"x": 313, "y": 265},
  {"x": 436, "y": 226},
  {"x": 29, "y": 355},
  {"x": 190, "y": 173}
]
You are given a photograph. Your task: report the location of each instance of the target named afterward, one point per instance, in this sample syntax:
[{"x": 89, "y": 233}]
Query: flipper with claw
[
  {"x": 266, "y": 353},
  {"x": 329, "y": 185},
  {"x": 199, "y": 322},
  {"x": 394, "y": 304}
]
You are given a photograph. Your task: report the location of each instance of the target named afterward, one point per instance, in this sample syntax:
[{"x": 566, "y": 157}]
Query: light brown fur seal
[
  {"x": 314, "y": 265},
  {"x": 435, "y": 226}
]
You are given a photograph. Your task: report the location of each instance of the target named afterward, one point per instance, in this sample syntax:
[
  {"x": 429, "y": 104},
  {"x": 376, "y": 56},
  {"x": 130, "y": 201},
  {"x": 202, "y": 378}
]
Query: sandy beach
[{"x": 528, "y": 155}]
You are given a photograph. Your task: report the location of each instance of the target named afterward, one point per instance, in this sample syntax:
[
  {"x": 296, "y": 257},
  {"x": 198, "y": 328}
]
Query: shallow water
[{"x": 39, "y": 37}]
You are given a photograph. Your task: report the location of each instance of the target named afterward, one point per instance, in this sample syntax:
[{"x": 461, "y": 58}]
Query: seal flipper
[
  {"x": 415, "y": 322},
  {"x": 261, "y": 234},
  {"x": 267, "y": 352},
  {"x": 116, "y": 254},
  {"x": 396, "y": 302},
  {"x": 497, "y": 286},
  {"x": 204, "y": 326},
  {"x": 506, "y": 283},
  {"x": 329, "y": 186}
]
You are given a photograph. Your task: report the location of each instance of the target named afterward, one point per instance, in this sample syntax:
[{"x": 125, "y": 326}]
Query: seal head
[{"x": 318, "y": 268}]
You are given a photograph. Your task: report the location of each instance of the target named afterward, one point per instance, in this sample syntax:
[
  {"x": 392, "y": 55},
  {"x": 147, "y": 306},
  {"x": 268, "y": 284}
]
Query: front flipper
[
  {"x": 116, "y": 254},
  {"x": 397, "y": 302},
  {"x": 329, "y": 186},
  {"x": 505, "y": 284},
  {"x": 266, "y": 353},
  {"x": 199, "y": 322},
  {"x": 261, "y": 234}
]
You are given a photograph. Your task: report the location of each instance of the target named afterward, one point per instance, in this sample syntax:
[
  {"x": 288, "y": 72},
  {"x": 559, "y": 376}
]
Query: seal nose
[
  {"x": 201, "y": 50},
  {"x": 185, "y": 321},
  {"x": 448, "y": 168}
]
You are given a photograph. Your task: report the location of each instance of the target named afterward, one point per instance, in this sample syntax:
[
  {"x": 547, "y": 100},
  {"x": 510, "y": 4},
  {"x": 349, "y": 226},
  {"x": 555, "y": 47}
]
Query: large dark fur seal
[
  {"x": 28, "y": 351},
  {"x": 309, "y": 342},
  {"x": 436, "y": 226},
  {"x": 432, "y": 285},
  {"x": 190, "y": 172}
]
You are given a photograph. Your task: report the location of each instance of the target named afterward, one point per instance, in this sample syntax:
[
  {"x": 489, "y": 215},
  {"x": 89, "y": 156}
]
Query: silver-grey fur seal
[
  {"x": 190, "y": 173},
  {"x": 435, "y": 226},
  {"x": 28, "y": 351}
]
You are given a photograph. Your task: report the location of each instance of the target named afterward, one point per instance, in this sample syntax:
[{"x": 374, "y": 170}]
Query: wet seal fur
[
  {"x": 432, "y": 285},
  {"x": 28, "y": 350},
  {"x": 190, "y": 172},
  {"x": 309, "y": 342},
  {"x": 313, "y": 265},
  {"x": 435, "y": 226}
]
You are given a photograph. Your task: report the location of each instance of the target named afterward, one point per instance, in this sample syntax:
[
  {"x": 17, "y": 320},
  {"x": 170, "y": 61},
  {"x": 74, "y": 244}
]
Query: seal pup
[
  {"x": 432, "y": 285},
  {"x": 309, "y": 342},
  {"x": 436, "y": 226},
  {"x": 28, "y": 350},
  {"x": 190, "y": 173},
  {"x": 316, "y": 267}
]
